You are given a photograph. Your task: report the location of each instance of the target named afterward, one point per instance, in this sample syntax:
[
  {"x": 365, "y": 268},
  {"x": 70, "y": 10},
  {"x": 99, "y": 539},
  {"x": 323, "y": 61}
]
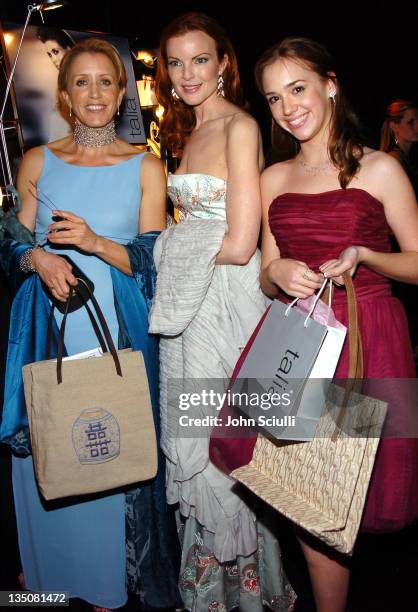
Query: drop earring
[
  {"x": 174, "y": 94},
  {"x": 71, "y": 111},
  {"x": 220, "y": 88},
  {"x": 332, "y": 95}
]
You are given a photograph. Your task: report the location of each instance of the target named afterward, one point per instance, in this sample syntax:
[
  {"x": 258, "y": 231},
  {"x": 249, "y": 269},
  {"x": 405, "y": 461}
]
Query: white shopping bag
[{"x": 283, "y": 382}]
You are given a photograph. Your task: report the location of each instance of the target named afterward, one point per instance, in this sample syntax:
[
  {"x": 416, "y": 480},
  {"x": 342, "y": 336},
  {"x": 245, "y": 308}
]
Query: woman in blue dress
[{"x": 94, "y": 193}]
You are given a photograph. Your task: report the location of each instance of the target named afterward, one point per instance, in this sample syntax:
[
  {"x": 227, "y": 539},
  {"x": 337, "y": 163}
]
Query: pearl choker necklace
[{"x": 94, "y": 137}]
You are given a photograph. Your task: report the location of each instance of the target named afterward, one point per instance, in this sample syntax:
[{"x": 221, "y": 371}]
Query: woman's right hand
[
  {"x": 294, "y": 277},
  {"x": 55, "y": 272}
]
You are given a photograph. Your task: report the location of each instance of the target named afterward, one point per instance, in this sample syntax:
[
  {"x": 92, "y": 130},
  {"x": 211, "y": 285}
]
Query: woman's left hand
[
  {"x": 72, "y": 230},
  {"x": 347, "y": 261}
]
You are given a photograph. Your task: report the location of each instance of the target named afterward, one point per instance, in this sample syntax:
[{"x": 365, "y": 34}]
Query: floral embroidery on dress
[
  {"x": 204, "y": 582},
  {"x": 250, "y": 580},
  {"x": 215, "y": 606},
  {"x": 201, "y": 571},
  {"x": 205, "y": 193},
  {"x": 283, "y": 603}
]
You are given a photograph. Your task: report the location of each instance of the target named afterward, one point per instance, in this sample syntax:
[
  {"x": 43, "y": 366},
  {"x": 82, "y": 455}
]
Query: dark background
[
  {"x": 374, "y": 43},
  {"x": 375, "y": 49}
]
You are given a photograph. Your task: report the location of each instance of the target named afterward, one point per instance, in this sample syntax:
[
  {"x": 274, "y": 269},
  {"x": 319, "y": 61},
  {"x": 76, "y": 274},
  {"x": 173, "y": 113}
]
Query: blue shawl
[
  {"x": 29, "y": 321},
  {"x": 153, "y": 552}
]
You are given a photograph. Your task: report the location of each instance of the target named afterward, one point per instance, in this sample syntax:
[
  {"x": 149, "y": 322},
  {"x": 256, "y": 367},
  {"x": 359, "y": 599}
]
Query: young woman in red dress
[{"x": 326, "y": 210}]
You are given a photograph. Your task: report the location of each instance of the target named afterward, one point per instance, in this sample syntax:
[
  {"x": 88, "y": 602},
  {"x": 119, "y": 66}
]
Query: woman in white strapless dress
[{"x": 207, "y": 303}]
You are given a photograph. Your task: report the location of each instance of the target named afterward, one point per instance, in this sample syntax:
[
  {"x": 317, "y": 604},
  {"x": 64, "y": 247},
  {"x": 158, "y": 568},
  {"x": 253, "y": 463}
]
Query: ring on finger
[{"x": 307, "y": 274}]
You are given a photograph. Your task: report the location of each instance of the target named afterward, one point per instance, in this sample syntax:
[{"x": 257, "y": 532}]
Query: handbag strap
[
  {"x": 355, "y": 363},
  {"x": 355, "y": 358},
  {"x": 104, "y": 326},
  {"x": 96, "y": 328}
]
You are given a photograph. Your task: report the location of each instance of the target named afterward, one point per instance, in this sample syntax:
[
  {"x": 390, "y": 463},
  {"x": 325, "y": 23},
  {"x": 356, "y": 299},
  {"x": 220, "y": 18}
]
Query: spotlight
[
  {"x": 48, "y": 5},
  {"x": 146, "y": 58},
  {"x": 159, "y": 112}
]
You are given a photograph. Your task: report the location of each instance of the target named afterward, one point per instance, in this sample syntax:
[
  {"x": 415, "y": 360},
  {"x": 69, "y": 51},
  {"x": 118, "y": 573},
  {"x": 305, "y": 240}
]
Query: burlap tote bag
[
  {"x": 90, "y": 420},
  {"x": 322, "y": 485}
]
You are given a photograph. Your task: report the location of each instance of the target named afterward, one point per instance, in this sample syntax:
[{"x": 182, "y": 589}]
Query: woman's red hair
[{"x": 179, "y": 119}]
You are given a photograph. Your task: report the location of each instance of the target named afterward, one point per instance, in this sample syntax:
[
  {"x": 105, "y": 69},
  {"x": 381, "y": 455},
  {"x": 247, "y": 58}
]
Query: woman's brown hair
[
  {"x": 90, "y": 45},
  {"x": 179, "y": 119},
  {"x": 344, "y": 146}
]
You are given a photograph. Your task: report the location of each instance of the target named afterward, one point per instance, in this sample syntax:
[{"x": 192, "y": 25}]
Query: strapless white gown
[{"x": 205, "y": 313}]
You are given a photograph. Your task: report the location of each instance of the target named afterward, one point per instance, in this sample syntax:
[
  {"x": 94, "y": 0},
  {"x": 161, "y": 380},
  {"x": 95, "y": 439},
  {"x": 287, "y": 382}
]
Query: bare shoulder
[
  {"x": 273, "y": 181},
  {"x": 151, "y": 161},
  {"x": 32, "y": 162},
  {"x": 274, "y": 175},
  {"x": 382, "y": 175},
  {"x": 153, "y": 168},
  {"x": 241, "y": 125},
  {"x": 34, "y": 155},
  {"x": 378, "y": 162},
  {"x": 396, "y": 154}
]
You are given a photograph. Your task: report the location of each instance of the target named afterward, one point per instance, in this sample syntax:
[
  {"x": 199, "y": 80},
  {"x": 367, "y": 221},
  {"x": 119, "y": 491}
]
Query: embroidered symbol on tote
[{"x": 96, "y": 436}]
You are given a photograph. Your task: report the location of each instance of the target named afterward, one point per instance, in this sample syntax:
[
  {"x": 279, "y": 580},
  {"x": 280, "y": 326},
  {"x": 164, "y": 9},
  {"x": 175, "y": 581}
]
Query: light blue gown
[{"x": 80, "y": 547}]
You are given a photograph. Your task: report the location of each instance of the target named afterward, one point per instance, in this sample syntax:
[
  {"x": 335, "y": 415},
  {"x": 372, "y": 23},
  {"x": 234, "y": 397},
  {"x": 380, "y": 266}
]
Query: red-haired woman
[
  {"x": 207, "y": 302},
  {"x": 326, "y": 210}
]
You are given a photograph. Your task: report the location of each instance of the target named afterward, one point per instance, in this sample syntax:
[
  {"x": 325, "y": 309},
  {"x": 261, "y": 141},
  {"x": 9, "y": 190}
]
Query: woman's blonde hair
[{"x": 89, "y": 45}]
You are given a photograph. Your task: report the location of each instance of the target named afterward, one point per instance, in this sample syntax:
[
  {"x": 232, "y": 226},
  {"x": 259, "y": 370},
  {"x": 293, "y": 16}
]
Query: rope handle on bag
[
  {"x": 104, "y": 326},
  {"x": 317, "y": 298},
  {"x": 355, "y": 369}
]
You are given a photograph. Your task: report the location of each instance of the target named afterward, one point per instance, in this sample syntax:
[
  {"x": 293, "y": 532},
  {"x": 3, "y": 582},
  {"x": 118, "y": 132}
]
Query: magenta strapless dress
[{"x": 315, "y": 228}]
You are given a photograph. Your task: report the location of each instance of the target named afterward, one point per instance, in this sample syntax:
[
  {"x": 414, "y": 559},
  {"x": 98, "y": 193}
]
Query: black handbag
[{"x": 77, "y": 298}]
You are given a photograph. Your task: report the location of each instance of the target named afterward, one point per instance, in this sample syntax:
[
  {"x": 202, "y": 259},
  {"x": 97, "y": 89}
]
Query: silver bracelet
[{"x": 25, "y": 262}]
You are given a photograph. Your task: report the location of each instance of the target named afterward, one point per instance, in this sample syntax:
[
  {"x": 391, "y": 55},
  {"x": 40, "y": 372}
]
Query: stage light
[
  {"x": 146, "y": 92},
  {"x": 146, "y": 58},
  {"x": 159, "y": 112},
  {"x": 49, "y": 5}
]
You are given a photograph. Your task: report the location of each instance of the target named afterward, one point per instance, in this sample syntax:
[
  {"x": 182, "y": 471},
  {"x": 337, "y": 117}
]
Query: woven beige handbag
[
  {"x": 322, "y": 485},
  {"x": 90, "y": 420}
]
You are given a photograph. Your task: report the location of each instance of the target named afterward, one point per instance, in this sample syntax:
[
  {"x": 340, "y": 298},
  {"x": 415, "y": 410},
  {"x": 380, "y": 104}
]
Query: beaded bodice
[{"x": 198, "y": 195}]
